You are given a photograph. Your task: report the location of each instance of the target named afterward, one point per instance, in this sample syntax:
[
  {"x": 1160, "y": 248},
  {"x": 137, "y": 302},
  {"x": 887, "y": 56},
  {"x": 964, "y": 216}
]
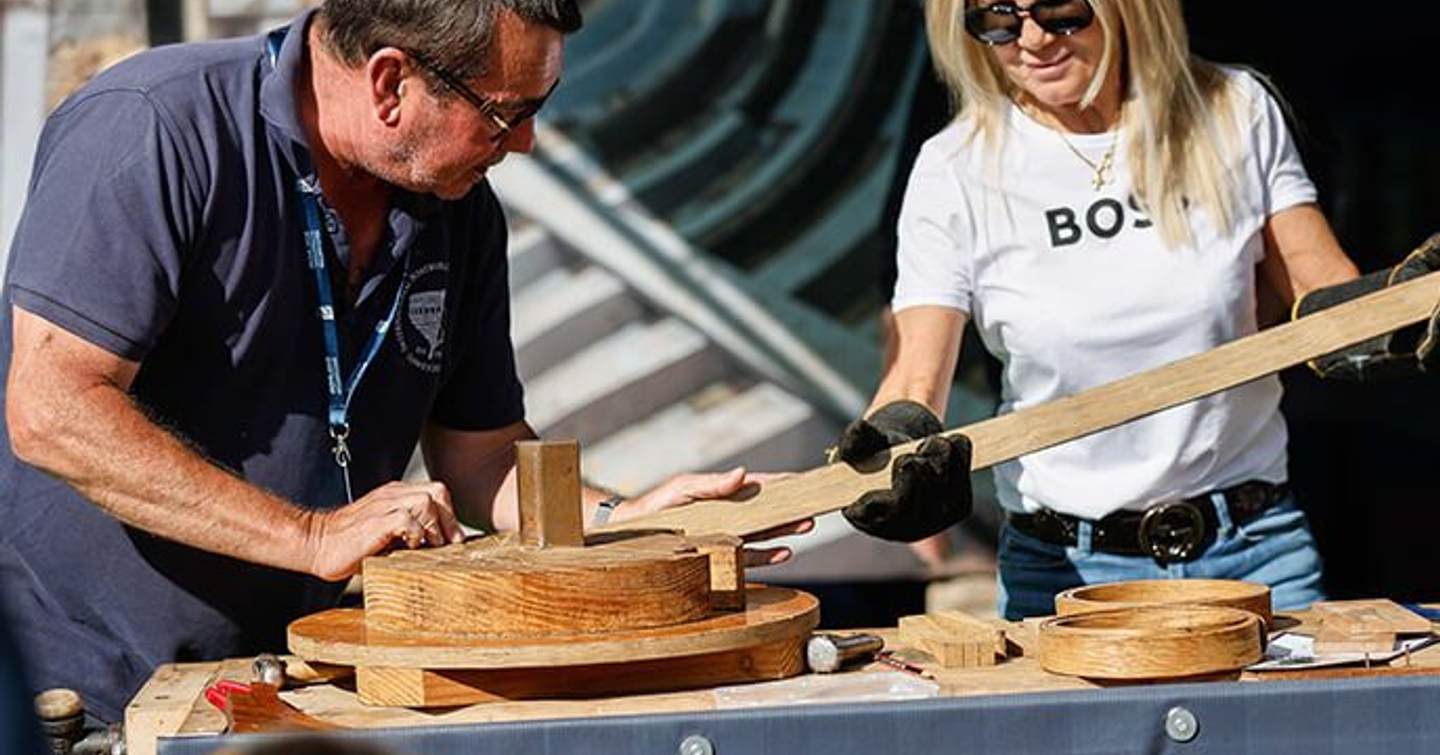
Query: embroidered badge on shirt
[{"x": 422, "y": 317}]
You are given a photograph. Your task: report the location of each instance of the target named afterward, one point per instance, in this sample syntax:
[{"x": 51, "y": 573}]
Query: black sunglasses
[
  {"x": 503, "y": 123},
  {"x": 1000, "y": 23}
]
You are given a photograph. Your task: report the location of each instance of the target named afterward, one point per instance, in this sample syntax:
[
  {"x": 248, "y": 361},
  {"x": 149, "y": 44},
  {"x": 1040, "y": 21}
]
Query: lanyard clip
[{"x": 340, "y": 434}]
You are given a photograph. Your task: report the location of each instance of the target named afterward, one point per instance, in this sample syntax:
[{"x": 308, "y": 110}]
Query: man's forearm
[{"x": 99, "y": 442}]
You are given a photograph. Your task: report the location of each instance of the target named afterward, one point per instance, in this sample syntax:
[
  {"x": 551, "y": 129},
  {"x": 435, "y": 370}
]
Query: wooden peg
[
  {"x": 548, "y": 473},
  {"x": 727, "y": 570}
]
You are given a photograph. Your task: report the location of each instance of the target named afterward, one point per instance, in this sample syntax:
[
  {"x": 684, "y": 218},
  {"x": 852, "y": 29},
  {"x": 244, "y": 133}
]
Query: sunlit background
[{"x": 701, "y": 248}]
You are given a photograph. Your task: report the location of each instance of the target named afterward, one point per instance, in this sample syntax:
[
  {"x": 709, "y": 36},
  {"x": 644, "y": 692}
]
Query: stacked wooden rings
[
  {"x": 1156, "y": 629},
  {"x": 1230, "y": 593}
]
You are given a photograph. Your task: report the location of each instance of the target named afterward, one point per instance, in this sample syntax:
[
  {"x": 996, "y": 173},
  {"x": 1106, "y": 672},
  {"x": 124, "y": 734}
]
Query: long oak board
[{"x": 830, "y": 488}]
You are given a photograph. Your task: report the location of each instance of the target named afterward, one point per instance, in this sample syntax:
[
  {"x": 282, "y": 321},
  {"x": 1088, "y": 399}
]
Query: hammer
[{"x": 829, "y": 652}]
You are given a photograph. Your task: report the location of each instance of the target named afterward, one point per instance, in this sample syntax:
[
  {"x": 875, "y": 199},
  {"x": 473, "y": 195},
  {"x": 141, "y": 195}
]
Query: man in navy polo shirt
[{"x": 250, "y": 275}]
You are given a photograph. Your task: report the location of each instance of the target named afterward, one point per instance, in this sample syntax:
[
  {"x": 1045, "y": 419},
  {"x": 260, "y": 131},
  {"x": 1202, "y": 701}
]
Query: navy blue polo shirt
[{"x": 162, "y": 225}]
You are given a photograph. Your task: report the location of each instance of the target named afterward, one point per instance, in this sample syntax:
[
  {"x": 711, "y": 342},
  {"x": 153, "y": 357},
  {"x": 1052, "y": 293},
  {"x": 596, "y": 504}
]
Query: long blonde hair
[{"x": 1177, "y": 110}]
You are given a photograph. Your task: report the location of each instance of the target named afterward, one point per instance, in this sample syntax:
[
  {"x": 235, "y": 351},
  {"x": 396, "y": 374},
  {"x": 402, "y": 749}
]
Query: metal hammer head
[{"x": 825, "y": 653}]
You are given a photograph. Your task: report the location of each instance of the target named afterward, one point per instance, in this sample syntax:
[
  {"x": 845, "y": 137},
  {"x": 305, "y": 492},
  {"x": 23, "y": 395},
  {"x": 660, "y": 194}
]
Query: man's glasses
[
  {"x": 504, "y": 123},
  {"x": 1000, "y": 23}
]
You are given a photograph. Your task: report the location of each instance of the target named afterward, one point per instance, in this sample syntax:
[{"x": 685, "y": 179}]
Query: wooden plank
[
  {"x": 422, "y": 688},
  {"x": 548, "y": 476},
  {"x": 342, "y": 707},
  {"x": 1363, "y": 626},
  {"x": 1329, "y": 642},
  {"x": 204, "y": 717},
  {"x": 1340, "y": 672},
  {"x": 164, "y": 703},
  {"x": 829, "y": 488},
  {"x": 1368, "y": 617}
]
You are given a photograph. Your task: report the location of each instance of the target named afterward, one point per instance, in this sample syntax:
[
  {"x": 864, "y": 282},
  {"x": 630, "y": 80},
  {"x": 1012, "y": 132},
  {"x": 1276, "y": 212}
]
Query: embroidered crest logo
[
  {"x": 427, "y": 314},
  {"x": 422, "y": 317}
]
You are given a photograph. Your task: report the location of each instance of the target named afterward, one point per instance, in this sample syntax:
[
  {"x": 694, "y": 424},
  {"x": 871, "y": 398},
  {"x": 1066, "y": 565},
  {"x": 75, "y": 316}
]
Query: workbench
[{"x": 1011, "y": 707}]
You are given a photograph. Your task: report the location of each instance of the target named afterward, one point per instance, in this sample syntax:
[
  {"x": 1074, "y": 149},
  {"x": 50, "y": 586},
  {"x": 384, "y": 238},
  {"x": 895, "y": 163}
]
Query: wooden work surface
[{"x": 172, "y": 703}]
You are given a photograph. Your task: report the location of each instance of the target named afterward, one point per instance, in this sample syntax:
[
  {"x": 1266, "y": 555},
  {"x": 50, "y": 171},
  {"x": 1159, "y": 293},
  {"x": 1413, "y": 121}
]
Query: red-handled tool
[
  {"x": 258, "y": 708},
  {"x": 218, "y": 694}
]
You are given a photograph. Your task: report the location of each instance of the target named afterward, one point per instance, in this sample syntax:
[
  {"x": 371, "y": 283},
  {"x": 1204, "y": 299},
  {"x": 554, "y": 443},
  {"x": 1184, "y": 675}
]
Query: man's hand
[
  {"x": 414, "y": 514},
  {"x": 1406, "y": 351},
  {"x": 688, "y": 488},
  {"x": 929, "y": 489}
]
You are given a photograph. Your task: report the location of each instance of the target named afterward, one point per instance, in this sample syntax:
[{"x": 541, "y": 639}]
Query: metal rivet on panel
[
  {"x": 696, "y": 745},
  {"x": 1181, "y": 725}
]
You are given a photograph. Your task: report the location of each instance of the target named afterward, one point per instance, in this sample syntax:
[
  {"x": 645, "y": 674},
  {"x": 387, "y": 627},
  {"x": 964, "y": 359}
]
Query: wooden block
[
  {"x": 426, "y": 688},
  {"x": 1362, "y": 626},
  {"x": 949, "y": 643},
  {"x": 727, "y": 570},
  {"x": 548, "y": 474},
  {"x": 1359, "y": 617},
  {"x": 1353, "y": 642},
  {"x": 300, "y": 672},
  {"x": 961, "y": 624}
]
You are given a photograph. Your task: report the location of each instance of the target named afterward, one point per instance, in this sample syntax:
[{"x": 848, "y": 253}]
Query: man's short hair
[{"x": 454, "y": 34}]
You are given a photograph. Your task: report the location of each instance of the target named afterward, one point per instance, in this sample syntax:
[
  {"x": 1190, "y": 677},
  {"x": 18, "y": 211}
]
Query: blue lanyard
[{"x": 339, "y": 389}]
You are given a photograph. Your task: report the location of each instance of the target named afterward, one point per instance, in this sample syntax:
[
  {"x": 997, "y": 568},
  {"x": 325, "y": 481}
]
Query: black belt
[{"x": 1172, "y": 531}]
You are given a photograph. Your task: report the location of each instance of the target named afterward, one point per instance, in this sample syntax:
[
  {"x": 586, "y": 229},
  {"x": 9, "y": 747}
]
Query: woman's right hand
[{"x": 929, "y": 489}]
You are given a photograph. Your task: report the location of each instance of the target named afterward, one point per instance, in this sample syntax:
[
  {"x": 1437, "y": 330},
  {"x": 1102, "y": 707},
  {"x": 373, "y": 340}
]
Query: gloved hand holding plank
[
  {"x": 830, "y": 488},
  {"x": 1405, "y": 351}
]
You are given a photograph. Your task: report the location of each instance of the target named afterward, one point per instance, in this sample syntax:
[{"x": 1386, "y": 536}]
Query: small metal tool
[
  {"x": 268, "y": 669},
  {"x": 889, "y": 658},
  {"x": 829, "y": 652}
]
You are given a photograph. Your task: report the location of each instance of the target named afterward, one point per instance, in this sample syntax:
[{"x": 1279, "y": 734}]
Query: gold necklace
[{"x": 1102, "y": 168}]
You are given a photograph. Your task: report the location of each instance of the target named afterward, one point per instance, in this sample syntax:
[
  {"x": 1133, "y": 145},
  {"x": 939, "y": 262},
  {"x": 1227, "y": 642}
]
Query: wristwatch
[{"x": 604, "y": 509}]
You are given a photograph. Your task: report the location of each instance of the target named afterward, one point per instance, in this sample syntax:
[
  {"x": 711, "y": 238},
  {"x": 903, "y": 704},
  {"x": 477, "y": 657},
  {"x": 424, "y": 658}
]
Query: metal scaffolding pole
[{"x": 24, "y": 45}]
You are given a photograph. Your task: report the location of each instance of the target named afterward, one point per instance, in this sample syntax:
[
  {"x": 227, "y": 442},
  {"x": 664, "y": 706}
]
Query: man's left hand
[{"x": 688, "y": 488}]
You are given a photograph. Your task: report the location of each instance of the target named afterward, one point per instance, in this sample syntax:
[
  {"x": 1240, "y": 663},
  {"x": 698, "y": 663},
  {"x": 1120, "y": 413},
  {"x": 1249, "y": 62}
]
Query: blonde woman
[{"x": 1103, "y": 202}]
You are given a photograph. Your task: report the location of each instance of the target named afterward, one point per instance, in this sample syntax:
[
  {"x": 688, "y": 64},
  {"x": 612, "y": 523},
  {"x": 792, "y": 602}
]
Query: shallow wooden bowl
[
  {"x": 1151, "y": 642},
  {"x": 1231, "y": 593}
]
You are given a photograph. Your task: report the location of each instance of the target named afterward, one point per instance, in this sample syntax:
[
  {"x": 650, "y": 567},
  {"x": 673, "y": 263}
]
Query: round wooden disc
[
  {"x": 1233, "y": 593},
  {"x": 340, "y": 636},
  {"x": 495, "y": 587},
  {"x": 1151, "y": 642}
]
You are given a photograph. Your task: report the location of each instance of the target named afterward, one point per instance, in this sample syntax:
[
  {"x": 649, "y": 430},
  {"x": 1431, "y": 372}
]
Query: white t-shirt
[{"x": 1070, "y": 288}]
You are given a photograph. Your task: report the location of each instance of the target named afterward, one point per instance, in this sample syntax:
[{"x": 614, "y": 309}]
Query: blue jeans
[{"x": 1275, "y": 549}]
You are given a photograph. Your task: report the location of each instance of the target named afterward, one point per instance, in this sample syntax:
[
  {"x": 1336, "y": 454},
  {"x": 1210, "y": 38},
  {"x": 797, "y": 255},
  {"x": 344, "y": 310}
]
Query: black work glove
[
  {"x": 929, "y": 489},
  {"x": 1407, "y": 351}
]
